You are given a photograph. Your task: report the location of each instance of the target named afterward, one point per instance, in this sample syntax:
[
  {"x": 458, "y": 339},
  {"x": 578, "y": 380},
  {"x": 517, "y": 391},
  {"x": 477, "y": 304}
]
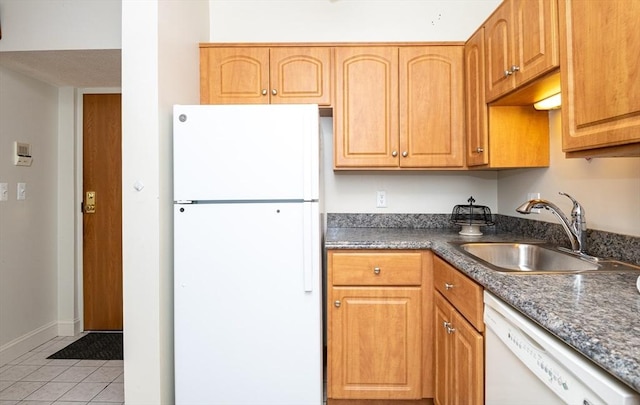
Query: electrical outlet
[
  {"x": 381, "y": 199},
  {"x": 534, "y": 196},
  {"x": 4, "y": 191}
]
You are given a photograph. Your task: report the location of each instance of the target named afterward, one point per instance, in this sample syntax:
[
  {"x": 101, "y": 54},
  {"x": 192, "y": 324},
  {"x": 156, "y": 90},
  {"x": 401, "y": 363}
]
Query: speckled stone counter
[{"x": 597, "y": 314}]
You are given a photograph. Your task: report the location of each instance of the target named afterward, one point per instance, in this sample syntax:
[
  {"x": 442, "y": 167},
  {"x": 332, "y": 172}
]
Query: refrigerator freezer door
[
  {"x": 246, "y": 152},
  {"x": 246, "y": 329}
]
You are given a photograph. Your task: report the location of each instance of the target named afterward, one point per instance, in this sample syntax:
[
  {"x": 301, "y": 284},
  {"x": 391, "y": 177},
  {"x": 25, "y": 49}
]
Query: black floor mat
[{"x": 93, "y": 346}]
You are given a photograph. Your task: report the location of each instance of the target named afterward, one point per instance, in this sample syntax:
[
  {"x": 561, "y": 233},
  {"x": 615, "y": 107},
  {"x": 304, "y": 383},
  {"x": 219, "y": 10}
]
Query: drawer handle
[
  {"x": 448, "y": 286},
  {"x": 337, "y": 303},
  {"x": 376, "y": 270}
]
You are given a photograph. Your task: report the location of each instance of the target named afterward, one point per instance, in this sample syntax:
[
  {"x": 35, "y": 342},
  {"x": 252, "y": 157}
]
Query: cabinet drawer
[
  {"x": 462, "y": 292},
  {"x": 375, "y": 268}
]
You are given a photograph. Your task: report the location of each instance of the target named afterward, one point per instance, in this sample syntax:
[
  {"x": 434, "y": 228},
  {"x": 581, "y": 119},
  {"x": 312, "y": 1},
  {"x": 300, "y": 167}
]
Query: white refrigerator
[{"x": 247, "y": 274}]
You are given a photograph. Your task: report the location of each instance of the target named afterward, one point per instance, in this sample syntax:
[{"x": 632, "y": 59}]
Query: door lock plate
[{"x": 90, "y": 202}]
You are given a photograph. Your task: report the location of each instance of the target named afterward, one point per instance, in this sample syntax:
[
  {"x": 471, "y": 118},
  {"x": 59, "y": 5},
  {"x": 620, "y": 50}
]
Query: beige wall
[{"x": 608, "y": 188}]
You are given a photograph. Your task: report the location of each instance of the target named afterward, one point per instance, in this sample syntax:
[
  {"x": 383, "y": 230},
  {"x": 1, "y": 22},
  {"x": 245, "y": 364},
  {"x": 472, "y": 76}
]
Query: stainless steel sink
[{"x": 533, "y": 258}]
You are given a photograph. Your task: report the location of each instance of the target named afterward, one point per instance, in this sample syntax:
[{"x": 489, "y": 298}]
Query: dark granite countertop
[{"x": 597, "y": 314}]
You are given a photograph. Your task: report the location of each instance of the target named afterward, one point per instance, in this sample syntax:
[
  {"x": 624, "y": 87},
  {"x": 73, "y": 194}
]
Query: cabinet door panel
[
  {"x": 365, "y": 121},
  {"x": 431, "y": 105},
  {"x": 475, "y": 104},
  {"x": 375, "y": 343},
  {"x": 600, "y": 82},
  {"x": 300, "y": 75},
  {"x": 234, "y": 75},
  {"x": 442, "y": 351},
  {"x": 467, "y": 363},
  {"x": 499, "y": 51},
  {"x": 536, "y": 38}
]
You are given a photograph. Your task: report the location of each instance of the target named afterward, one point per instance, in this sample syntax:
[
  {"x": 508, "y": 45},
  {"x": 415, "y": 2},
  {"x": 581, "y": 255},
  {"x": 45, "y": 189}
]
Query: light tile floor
[{"x": 32, "y": 379}]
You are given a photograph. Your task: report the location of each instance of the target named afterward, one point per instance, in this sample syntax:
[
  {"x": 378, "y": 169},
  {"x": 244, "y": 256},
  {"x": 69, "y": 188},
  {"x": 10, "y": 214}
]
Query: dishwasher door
[{"x": 524, "y": 364}]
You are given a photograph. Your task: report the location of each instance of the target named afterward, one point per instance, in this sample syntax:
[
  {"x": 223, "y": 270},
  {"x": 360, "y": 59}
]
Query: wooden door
[
  {"x": 366, "y": 107},
  {"x": 536, "y": 37},
  {"x": 102, "y": 235},
  {"x": 442, "y": 349},
  {"x": 499, "y": 51},
  {"x": 475, "y": 105},
  {"x": 600, "y": 44},
  {"x": 375, "y": 343},
  {"x": 300, "y": 75},
  {"x": 431, "y": 106},
  {"x": 234, "y": 75},
  {"x": 467, "y": 363}
]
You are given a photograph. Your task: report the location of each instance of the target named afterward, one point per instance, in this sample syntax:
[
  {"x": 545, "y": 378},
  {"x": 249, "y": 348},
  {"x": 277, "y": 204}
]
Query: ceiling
[{"x": 73, "y": 68}]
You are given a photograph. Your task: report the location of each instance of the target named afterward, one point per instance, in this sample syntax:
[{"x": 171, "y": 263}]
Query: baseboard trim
[
  {"x": 25, "y": 343},
  {"x": 69, "y": 328}
]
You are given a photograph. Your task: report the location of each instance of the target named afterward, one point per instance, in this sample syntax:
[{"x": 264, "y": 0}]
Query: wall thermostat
[{"x": 22, "y": 154}]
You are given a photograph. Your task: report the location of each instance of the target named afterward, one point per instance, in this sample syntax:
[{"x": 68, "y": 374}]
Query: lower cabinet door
[
  {"x": 375, "y": 337},
  {"x": 459, "y": 357}
]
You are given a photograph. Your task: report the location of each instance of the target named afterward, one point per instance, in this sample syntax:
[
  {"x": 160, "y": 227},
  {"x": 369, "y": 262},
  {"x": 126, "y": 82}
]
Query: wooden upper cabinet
[
  {"x": 366, "y": 107},
  {"x": 399, "y": 107},
  {"x": 600, "y": 44},
  {"x": 300, "y": 75},
  {"x": 521, "y": 44},
  {"x": 234, "y": 75},
  {"x": 431, "y": 106},
  {"x": 263, "y": 75},
  {"x": 475, "y": 105}
]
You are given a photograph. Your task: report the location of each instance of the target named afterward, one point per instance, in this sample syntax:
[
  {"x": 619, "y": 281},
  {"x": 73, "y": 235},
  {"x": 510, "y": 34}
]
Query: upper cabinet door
[
  {"x": 234, "y": 75},
  {"x": 366, "y": 107},
  {"x": 536, "y": 36},
  {"x": 301, "y": 75},
  {"x": 499, "y": 51},
  {"x": 431, "y": 106},
  {"x": 521, "y": 44},
  {"x": 600, "y": 44},
  {"x": 475, "y": 105}
]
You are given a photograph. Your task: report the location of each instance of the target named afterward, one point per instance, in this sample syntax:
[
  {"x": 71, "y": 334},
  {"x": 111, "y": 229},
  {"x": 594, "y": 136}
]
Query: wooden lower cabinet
[
  {"x": 377, "y": 315},
  {"x": 459, "y": 343},
  {"x": 459, "y": 357}
]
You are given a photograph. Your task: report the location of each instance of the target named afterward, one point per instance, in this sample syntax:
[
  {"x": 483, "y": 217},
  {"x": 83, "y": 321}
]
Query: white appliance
[
  {"x": 247, "y": 275},
  {"x": 524, "y": 364}
]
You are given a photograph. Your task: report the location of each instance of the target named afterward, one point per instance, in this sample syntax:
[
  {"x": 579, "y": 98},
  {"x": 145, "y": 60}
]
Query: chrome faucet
[{"x": 576, "y": 229}]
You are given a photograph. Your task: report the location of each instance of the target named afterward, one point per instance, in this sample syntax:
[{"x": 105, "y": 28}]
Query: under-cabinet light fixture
[{"x": 549, "y": 103}]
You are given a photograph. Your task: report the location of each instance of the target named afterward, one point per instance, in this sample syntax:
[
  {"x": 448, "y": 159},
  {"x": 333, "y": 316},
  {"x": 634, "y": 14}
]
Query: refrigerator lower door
[{"x": 247, "y": 312}]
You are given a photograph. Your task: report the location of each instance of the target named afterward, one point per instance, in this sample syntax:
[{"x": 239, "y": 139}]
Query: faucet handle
[
  {"x": 577, "y": 212},
  {"x": 576, "y": 204}
]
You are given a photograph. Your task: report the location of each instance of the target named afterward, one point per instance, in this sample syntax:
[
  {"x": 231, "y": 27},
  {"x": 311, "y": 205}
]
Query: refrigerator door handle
[{"x": 311, "y": 255}]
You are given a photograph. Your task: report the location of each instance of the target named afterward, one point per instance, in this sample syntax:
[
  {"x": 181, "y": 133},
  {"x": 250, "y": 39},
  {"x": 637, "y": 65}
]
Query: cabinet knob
[
  {"x": 337, "y": 303},
  {"x": 515, "y": 68},
  {"x": 448, "y": 286},
  {"x": 447, "y": 326},
  {"x": 479, "y": 150},
  {"x": 405, "y": 154},
  {"x": 274, "y": 92},
  {"x": 394, "y": 153},
  {"x": 264, "y": 92},
  {"x": 376, "y": 270},
  {"x": 507, "y": 73}
]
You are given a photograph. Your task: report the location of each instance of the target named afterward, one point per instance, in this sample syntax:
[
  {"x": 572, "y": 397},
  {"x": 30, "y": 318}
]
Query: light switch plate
[
  {"x": 22, "y": 191},
  {"x": 4, "y": 191}
]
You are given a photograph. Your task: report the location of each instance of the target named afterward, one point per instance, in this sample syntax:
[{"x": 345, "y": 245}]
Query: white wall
[
  {"x": 608, "y": 188},
  {"x": 160, "y": 61},
  {"x": 346, "y": 20},
  {"x": 435, "y": 192},
  {"x": 40, "y": 25},
  {"x": 28, "y": 228}
]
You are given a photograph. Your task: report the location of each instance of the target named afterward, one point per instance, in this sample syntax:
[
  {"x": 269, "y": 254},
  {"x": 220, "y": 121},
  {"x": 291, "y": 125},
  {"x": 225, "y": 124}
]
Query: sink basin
[{"x": 532, "y": 258}]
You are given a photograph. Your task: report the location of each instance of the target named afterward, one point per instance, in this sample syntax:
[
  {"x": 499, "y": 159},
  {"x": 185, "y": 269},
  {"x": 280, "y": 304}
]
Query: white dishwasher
[{"x": 524, "y": 364}]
